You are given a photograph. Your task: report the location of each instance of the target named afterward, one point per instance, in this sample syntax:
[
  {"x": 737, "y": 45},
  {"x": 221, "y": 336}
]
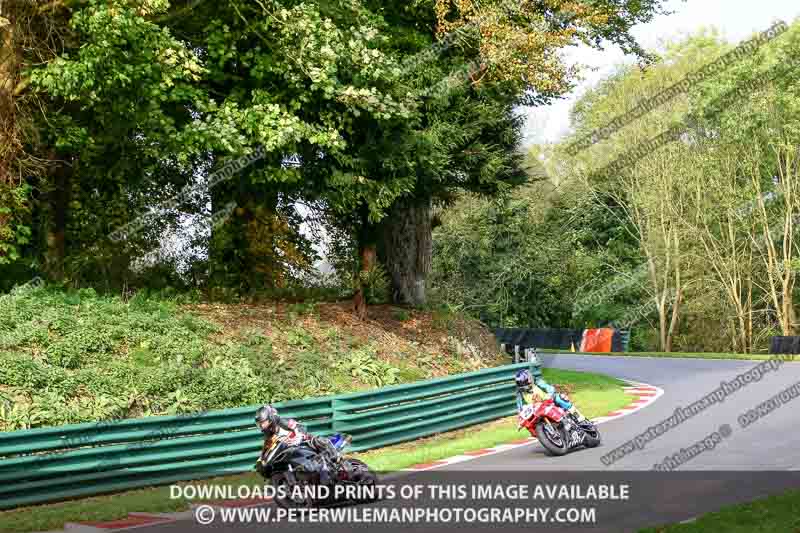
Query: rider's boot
[{"x": 577, "y": 414}]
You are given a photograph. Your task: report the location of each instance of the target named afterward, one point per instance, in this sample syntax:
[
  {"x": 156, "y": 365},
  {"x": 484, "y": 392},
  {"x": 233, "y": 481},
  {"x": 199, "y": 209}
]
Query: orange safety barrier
[{"x": 597, "y": 340}]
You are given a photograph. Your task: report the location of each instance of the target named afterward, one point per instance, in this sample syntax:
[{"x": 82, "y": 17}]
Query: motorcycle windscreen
[{"x": 339, "y": 441}]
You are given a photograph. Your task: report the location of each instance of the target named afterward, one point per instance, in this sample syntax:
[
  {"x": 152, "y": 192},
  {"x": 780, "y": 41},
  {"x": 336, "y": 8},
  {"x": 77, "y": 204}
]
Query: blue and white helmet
[{"x": 523, "y": 378}]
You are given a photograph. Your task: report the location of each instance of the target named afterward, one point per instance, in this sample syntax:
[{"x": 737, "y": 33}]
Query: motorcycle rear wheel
[
  {"x": 554, "y": 443},
  {"x": 363, "y": 475},
  {"x": 592, "y": 439}
]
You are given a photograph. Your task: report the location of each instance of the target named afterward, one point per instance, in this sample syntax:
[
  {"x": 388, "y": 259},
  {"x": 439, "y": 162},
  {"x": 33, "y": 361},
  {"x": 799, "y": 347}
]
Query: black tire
[
  {"x": 364, "y": 476},
  {"x": 277, "y": 481},
  {"x": 592, "y": 439},
  {"x": 551, "y": 443}
]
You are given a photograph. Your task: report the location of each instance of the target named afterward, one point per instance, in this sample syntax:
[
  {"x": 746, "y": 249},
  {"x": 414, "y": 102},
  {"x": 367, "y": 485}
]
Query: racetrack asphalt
[
  {"x": 771, "y": 443},
  {"x": 703, "y": 484}
]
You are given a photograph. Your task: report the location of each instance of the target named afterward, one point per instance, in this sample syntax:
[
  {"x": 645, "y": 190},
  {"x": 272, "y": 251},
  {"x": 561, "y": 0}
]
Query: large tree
[
  {"x": 486, "y": 59},
  {"x": 147, "y": 97}
]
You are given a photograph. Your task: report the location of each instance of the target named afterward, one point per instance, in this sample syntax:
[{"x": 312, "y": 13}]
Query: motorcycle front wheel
[
  {"x": 282, "y": 485},
  {"x": 554, "y": 438}
]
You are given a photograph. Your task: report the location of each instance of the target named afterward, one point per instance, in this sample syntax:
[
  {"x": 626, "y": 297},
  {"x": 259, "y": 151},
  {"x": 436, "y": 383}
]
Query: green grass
[
  {"x": 776, "y": 514},
  {"x": 689, "y": 355},
  {"x": 594, "y": 394}
]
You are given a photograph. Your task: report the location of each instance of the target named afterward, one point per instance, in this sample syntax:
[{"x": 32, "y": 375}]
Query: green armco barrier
[{"x": 78, "y": 460}]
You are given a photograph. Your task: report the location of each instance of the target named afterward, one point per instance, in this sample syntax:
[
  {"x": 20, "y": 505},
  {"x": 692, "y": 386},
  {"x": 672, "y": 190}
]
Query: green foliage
[
  {"x": 299, "y": 337},
  {"x": 15, "y": 233},
  {"x": 375, "y": 282},
  {"x": 362, "y": 365},
  {"x": 443, "y": 315},
  {"x": 141, "y": 101},
  {"x": 301, "y": 309},
  {"x": 498, "y": 260},
  {"x": 76, "y": 356},
  {"x": 573, "y": 249},
  {"x": 81, "y": 357},
  {"x": 401, "y": 314}
]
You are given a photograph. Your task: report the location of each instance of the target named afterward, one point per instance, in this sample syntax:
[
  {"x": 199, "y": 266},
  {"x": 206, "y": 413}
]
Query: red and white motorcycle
[{"x": 557, "y": 430}]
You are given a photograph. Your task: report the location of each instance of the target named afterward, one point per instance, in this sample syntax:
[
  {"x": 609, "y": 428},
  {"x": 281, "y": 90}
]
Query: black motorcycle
[{"x": 294, "y": 468}]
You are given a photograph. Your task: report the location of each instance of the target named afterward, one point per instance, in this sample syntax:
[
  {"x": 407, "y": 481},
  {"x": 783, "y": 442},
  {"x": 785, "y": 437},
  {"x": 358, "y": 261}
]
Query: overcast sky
[{"x": 735, "y": 19}]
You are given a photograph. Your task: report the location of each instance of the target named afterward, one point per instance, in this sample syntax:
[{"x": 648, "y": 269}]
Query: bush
[
  {"x": 76, "y": 356},
  {"x": 401, "y": 315},
  {"x": 364, "y": 366},
  {"x": 375, "y": 282}
]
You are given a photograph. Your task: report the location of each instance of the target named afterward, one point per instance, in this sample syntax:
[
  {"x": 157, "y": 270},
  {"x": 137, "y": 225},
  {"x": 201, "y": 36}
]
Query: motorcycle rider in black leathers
[{"x": 291, "y": 432}]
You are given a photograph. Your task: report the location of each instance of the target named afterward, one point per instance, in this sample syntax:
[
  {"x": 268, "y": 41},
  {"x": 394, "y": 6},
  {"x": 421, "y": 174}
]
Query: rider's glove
[{"x": 562, "y": 401}]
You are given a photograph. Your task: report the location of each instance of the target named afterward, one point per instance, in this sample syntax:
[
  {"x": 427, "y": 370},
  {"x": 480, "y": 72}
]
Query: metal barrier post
[{"x": 535, "y": 366}]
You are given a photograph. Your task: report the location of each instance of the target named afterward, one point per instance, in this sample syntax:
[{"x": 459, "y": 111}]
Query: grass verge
[
  {"x": 775, "y": 514},
  {"x": 595, "y": 394}
]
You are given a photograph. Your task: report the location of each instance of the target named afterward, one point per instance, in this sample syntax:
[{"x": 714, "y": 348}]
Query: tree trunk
[
  {"x": 243, "y": 242},
  {"x": 749, "y": 315},
  {"x": 367, "y": 252},
  {"x": 677, "y": 296},
  {"x": 407, "y": 250},
  {"x": 56, "y": 231},
  {"x": 673, "y": 326},
  {"x": 369, "y": 256},
  {"x": 789, "y": 312},
  {"x": 662, "y": 323},
  {"x": 9, "y": 74}
]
